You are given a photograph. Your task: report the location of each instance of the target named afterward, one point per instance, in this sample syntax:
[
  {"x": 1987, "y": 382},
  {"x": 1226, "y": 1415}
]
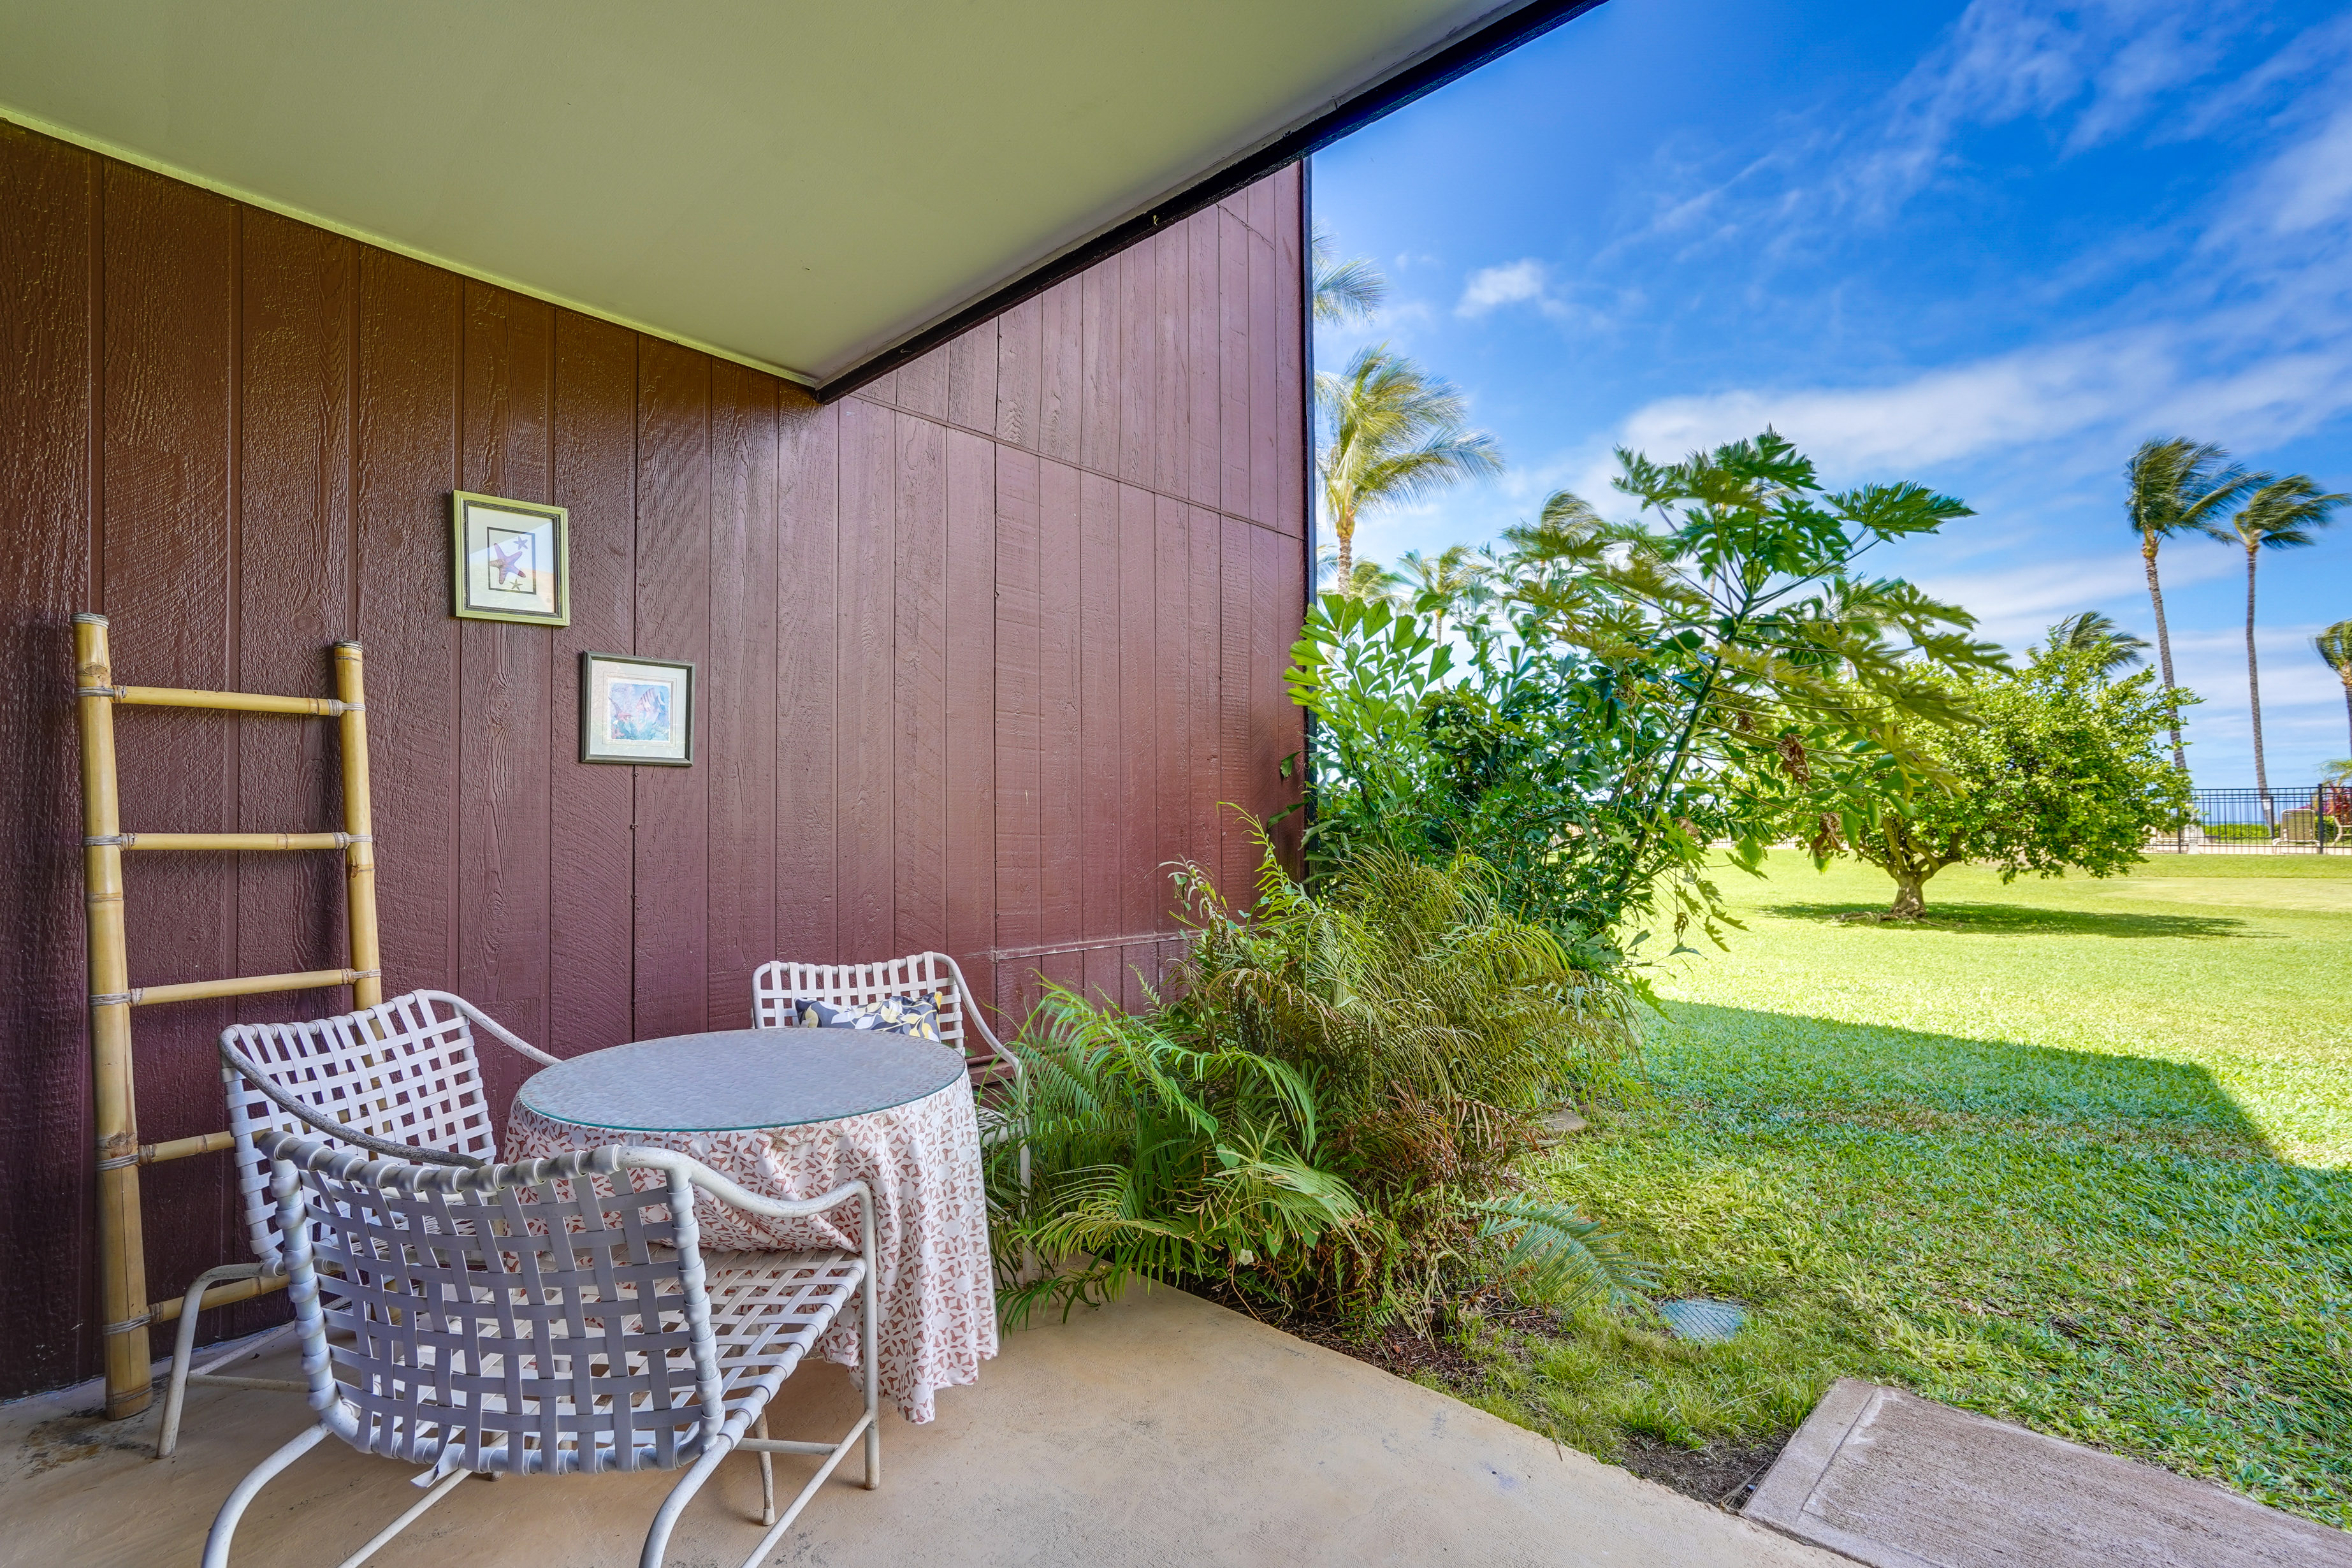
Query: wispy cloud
[
  {"x": 1510, "y": 284},
  {"x": 2015, "y": 604}
]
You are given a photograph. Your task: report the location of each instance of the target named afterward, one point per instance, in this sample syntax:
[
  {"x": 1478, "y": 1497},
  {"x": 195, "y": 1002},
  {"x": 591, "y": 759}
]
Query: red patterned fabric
[{"x": 936, "y": 1295}]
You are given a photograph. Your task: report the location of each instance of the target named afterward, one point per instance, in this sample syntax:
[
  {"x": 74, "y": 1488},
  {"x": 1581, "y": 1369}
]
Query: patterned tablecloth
[{"x": 935, "y": 1294}]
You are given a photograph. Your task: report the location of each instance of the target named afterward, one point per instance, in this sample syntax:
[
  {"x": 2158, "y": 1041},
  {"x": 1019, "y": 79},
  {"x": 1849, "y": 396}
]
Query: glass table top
[{"x": 734, "y": 1079}]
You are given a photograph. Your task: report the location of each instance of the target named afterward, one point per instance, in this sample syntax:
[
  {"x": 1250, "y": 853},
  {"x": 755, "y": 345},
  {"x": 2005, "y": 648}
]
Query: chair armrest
[
  {"x": 732, "y": 1194},
  {"x": 497, "y": 1030},
  {"x": 973, "y": 1017}
]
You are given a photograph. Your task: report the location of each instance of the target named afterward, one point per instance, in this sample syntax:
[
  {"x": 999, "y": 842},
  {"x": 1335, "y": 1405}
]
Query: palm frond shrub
[{"x": 1333, "y": 1112}]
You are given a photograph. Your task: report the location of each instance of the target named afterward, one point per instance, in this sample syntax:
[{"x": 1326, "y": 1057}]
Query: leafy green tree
[
  {"x": 2059, "y": 769},
  {"x": 2089, "y": 630},
  {"x": 1642, "y": 689},
  {"x": 2279, "y": 514},
  {"x": 2335, "y": 650},
  {"x": 1392, "y": 433},
  {"x": 2176, "y": 486}
]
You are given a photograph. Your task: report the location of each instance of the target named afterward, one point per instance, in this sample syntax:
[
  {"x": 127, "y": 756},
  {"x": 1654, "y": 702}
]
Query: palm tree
[
  {"x": 1366, "y": 580},
  {"x": 2281, "y": 514},
  {"x": 2093, "y": 632},
  {"x": 2334, "y": 646},
  {"x": 2173, "y": 487},
  {"x": 1344, "y": 292},
  {"x": 1394, "y": 432},
  {"x": 1447, "y": 580}
]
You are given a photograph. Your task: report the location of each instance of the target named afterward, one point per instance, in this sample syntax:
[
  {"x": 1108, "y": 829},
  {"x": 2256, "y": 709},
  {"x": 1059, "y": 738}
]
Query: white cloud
[
  {"x": 2310, "y": 185},
  {"x": 2014, "y": 606},
  {"x": 2005, "y": 401},
  {"x": 2118, "y": 387},
  {"x": 1510, "y": 284}
]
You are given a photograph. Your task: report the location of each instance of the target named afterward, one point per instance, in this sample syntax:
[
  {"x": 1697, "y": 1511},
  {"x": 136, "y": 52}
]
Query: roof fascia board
[
  {"x": 50, "y": 128},
  {"x": 1447, "y": 61}
]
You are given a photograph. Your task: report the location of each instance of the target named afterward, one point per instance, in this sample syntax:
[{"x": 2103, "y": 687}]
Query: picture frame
[
  {"x": 510, "y": 560},
  {"x": 638, "y": 712}
]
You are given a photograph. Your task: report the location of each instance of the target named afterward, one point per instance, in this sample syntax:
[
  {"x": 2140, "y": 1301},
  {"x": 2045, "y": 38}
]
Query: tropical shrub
[{"x": 1331, "y": 1112}]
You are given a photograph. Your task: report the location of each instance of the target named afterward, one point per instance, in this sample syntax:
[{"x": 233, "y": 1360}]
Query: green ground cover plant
[{"x": 2073, "y": 1153}]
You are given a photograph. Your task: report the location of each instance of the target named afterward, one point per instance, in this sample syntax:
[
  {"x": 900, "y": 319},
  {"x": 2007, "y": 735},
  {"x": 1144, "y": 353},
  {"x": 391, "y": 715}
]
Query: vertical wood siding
[{"x": 982, "y": 647}]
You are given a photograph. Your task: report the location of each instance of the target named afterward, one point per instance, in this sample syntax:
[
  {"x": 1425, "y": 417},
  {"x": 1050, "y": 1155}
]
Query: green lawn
[{"x": 2073, "y": 1153}]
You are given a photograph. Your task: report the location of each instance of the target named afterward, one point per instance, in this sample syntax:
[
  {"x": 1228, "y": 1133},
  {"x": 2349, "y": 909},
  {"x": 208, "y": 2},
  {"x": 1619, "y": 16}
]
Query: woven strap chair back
[
  {"x": 405, "y": 1072},
  {"x": 932, "y": 975},
  {"x": 484, "y": 1319}
]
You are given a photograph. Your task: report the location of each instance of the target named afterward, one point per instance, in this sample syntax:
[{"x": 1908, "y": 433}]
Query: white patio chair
[
  {"x": 776, "y": 985},
  {"x": 532, "y": 1320},
  {"x": 400, "y": 1077}
]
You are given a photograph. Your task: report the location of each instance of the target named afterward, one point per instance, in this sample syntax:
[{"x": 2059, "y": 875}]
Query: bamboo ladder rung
[
  {"x": 265, "y": 841},
  {"x": 241, "y": 986},
  {"x": 232, "y": 702},
  {"x": 221, "y": 1295},
  {"x": 181, "y": 1147}
]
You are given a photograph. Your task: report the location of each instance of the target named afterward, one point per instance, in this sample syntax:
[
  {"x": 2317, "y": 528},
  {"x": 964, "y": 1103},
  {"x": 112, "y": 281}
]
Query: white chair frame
[
  {"x": 551, "y": 1318},
  {"x": 400, "y": 1079},
  {"x": 776, "y": 984}
]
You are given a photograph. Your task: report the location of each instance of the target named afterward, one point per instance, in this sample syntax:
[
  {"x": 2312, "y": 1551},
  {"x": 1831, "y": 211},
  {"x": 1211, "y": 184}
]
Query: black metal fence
[{"x": 2312, "y": 820}]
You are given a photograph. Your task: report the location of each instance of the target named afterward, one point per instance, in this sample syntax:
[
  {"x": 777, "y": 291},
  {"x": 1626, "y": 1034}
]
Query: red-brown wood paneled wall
[{"x": 983, "y": 648}]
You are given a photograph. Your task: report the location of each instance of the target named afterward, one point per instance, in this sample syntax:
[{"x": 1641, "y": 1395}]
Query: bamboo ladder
[{"x": 122, "y": 1264}]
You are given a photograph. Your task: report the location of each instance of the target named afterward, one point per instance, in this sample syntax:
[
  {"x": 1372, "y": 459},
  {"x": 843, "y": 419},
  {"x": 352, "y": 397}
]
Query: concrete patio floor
[{"x": 1162, "y": 1430}]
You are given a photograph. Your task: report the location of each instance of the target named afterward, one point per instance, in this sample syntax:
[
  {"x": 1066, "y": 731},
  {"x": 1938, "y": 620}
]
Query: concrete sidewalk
[
  {"x": 1162, "y": 1430},
  {"x": 1896, "y": 1481}
]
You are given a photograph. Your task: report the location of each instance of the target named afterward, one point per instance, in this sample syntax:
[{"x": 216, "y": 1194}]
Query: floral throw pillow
[{"x": 899, "y": 1015}]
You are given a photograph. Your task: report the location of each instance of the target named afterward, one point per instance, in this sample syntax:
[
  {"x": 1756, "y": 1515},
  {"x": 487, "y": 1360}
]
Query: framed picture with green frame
[{"x": 511, "y": 560}]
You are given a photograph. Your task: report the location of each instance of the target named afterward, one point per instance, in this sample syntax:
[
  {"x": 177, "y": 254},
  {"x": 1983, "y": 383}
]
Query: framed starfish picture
[{"x": 512, "y": 560}]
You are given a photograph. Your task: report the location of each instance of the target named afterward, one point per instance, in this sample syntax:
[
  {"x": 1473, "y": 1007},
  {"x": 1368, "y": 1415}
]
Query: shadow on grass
[
  {"x": 1910, "y": 1081},
  {"x": 2024, "y": 920}
]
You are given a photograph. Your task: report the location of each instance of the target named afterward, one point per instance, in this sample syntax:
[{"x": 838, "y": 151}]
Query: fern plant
[{"x": 1335, "y": 1112}]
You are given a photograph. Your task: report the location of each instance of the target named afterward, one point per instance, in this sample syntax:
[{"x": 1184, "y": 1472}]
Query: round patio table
[{"x": 793, "y": 1113}]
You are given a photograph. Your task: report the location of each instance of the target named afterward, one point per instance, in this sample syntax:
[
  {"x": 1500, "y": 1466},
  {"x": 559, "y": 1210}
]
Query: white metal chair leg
[
  {"x": 183, "y": 1349},
  {"x": 658, "y": 1537},
  {"x": 767, "y": 1474},
  {"x": 225, "y": 1522},
  {"x": 383, "y": 1538},
  {"x": 873, "y": 1368}
]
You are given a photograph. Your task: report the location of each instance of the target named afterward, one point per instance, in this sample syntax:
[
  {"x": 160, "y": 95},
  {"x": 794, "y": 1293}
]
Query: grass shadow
[
  {"x": 1911, "y": 1080},
  {"x": 2101, "y": 1247},
  {"x": 2025, "y": 919}
]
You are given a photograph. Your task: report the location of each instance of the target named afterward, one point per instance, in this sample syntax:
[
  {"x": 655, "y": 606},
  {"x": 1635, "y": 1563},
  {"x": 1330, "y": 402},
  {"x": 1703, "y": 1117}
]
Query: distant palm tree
[
  {"x": 2093, "y": 632},
  {"x": 2334, "y": 646},
  {"x": 1344, "y": 292},
  {"x": 1367, "y": 580},
  {"x": 2281, "y": 514},
  {"x": 2176, "y": 486},
  {"x": 1393, "y": 432},
  {"x": 1448, "y": 580}
]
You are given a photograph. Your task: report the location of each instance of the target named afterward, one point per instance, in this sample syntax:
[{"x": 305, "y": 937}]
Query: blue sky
[{"x": 1990, "y": 246}]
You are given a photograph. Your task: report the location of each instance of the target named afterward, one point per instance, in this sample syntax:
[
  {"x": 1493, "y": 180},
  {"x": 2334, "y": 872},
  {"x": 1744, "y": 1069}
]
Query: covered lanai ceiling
[{"x": 810, "y": 186}]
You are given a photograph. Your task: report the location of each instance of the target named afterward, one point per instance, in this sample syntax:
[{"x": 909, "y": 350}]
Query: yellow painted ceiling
[{"x": 799, "y": 185}]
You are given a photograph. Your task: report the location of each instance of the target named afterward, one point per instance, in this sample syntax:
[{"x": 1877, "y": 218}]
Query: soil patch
[{"x": 1724, "y": 1472}]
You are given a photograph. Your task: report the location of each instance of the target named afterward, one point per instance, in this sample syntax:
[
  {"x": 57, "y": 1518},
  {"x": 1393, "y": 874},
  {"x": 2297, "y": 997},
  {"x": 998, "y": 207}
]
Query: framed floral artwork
[
  {"x": 512, "y": 560},
  {"x": 635, "y": 711}
]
